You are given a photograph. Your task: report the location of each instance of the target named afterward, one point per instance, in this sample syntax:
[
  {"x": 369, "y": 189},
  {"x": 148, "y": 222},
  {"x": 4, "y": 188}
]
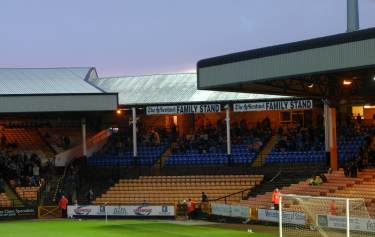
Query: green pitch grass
[{"x": 123, "y": 228}]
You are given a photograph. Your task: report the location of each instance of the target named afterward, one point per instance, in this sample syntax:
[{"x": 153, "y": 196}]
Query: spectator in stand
[
  {"x": 276, "y": 199},
  {"x": 359, "y": 119},
  {"x": 347, "y": 168},
  {"x": 298, "y": 138},
  {"x": 3, "y": 142},
  {"x": 66, "y": 142},
  {"x": 36, "y": 171},
  {"x": 204, "y": 197},
  {"x": 20, "y": 169},
  {"x": 208, "y": 139},
  {"x": 315, "y": 181},
  {"x": 257, "y": 145},
  {"x": 173, "y": 132},
  {"x": 1, "y": 184},
  {"x": 63, "y": 205},
  {"x": 353, "y": 169},
  {"x": 154, "y": 138},
  {"x": 323, "y": 177}
]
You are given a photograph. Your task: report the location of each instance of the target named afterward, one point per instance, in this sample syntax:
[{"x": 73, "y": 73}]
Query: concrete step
[
  {"x": 164, "y": 157},
  {"x": 260, "y": 160},
  {"x": 12, "y": 196}
]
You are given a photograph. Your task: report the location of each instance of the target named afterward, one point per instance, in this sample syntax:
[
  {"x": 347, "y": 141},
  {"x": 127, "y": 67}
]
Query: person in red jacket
[
  {"x": 190, "y": 209},
  {"x": 276, "y": 198},
  {"x": 333, "y": 208},
  {"x": 63, "y": 205}
]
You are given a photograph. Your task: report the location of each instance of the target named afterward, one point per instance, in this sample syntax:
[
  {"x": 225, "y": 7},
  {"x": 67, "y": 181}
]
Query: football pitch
[{"x": 123, "y": 228}]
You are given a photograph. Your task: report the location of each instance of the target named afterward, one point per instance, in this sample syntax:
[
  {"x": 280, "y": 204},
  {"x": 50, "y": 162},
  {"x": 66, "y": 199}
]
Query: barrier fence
[
  {"x": 18, "y": 213},
  {"x": 172, "y": 211},
  {"x": 122, "y": 211},
  {"x": 49, "y": 212}
]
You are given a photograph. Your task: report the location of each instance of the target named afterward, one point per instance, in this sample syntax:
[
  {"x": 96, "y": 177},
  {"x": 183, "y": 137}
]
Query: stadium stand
[
  {"x": 25, "y": 140},
  {"x": 61, "y": 139},
  {"x": 4, "y": 201},
  {"x": 298, "y": 145},
  {"x": 147, "y": 157},
  {"x": 28, "y": 193},
  {"x": 117, "y": 151},
  {"x": 337, "y": 185},
  {"x": 23, "y": 172},
  {"x": 174, "y": 189},
  {"x": 362, "y": 188},
  {"x": 305, "y": 145},
  {"x": 275, "y": 177},
  {"x": 207, "y": 145}
]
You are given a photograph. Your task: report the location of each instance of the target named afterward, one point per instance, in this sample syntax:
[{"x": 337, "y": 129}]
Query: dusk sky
[{"x": 135, "y": 37}]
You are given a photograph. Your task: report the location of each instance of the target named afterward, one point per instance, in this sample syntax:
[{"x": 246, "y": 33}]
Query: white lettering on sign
[
  {"x": 183, "y": 109},
  {"x": 273, "y": 105}
]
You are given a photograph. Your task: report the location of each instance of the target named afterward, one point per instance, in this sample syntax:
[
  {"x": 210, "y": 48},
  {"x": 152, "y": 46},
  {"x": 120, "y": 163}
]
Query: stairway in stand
[
  {"x": 284, "y": 178},
  {"x": 163, "y": 157},
  {"x": 12, "y": 196},
  {"x": 261, "y": 157}
]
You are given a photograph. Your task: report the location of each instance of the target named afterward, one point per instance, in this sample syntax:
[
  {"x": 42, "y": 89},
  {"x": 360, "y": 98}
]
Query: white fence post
[
  {"x": 347, "y": 219},
  {"x": 280, "y": 217}
]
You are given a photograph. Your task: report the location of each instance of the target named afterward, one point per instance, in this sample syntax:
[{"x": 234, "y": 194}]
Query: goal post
[{"x": 322, "y": 216}]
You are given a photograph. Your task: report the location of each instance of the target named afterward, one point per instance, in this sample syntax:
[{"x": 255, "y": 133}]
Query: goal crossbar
[{"x": 316, "y": 197}]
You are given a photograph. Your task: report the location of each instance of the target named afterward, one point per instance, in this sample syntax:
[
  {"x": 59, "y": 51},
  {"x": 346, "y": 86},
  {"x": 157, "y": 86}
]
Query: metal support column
[
  {"x": 134, "y": 121},
  {"x": 229, "y": 142},
  {"x": 84, "y": 143},
  {"x": 330, "y": 135}
]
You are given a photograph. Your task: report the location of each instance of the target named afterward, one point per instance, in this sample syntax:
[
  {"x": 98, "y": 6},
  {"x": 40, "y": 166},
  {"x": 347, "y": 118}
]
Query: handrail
[
  {"x": 18, "y": 197},
  {"x": 229, "y": 195},
  {"x": 276, "y": 176},
  {"x": 59, "y": 182},
  {"x": 54, "y": 152}
]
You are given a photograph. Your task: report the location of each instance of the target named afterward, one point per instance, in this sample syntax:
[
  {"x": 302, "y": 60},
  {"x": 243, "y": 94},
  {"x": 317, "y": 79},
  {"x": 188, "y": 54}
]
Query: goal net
[{"x": 301, "y": 216}]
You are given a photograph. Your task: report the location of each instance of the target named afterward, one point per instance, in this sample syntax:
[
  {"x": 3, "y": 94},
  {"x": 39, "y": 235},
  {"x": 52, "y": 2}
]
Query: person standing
[
  {"x": 63, "y": 205},
  {"x": 71, "y": 215},
  {"x": 35, "y": 174},
  {"x": 276, "y": 198},
  {"x": 333, "y": 208},
  {"x": 90, "y": 196},
  {"x": 359, "y": 119},
  {"x": 190, "y": 209}
]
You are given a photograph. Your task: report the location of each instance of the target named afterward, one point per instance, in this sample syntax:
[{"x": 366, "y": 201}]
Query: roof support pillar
[
  {"x": 134, "y": 122},
  {"x": 330, "y": 135},
  {"x": 227, "y": 119},
  {"x": 84, "y": 143}
]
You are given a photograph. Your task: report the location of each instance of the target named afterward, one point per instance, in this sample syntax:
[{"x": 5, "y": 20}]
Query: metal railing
[
  {"x": 276, "y": 176},
  {"x": 59, "y": 183},
  {"x": 230, "y": 195}
]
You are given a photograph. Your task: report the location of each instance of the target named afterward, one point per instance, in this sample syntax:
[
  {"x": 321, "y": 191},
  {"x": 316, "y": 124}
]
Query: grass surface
[{"x": 123, "y": 228}]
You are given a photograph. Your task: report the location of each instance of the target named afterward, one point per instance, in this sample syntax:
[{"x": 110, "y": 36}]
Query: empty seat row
[{"x": 172, "y": 189}]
